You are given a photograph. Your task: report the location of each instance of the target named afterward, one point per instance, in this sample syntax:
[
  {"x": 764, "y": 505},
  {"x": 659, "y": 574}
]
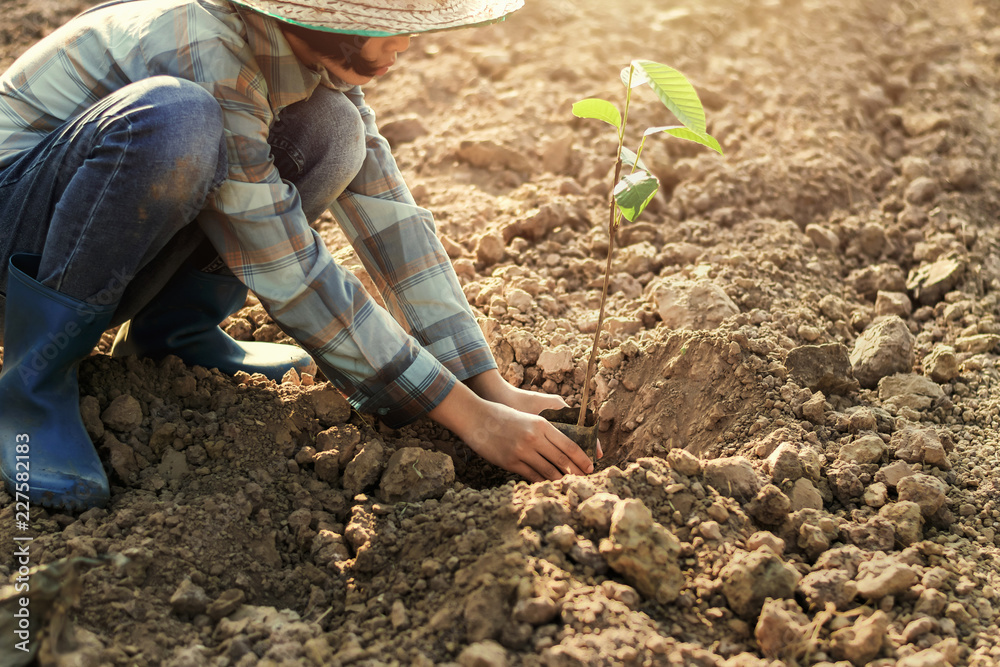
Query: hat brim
[{"x": 378, "y": 18}]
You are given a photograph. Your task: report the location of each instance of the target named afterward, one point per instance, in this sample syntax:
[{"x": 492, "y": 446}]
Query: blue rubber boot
[
  {"x": 183, "y": 319},
  {"x": 45, "y": 452}
]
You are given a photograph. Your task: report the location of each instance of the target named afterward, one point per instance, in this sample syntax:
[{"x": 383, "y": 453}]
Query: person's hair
[{"x": 342, "y": 47}]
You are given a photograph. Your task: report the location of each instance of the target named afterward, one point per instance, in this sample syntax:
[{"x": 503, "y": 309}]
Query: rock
[
  {"x": 883, "y": 576},
  {"x": 921, "y": 190},
  {"x": 684, "y": 462},
  {"x": 814, "y": 409},
  {"x": 805, "y": 495},
  {"x": 876, "y": 495},
  {"x": 770, "y": 506},
  {"x": 750, "y": 578},
  {"x": 189, "y": 599},
  {"x": 909, "y": 390},
  {"x": 926, "y": 491},
  {"x": 977, "y": 343},
  {"x": 821, "y": 587},
  {"x": 536, "y": 611},
  {"x": 962, "y": 173},
  {"x": 123, "y": 415},
  {"x": 869, "y": 448},
  {"x": 226, "y": 604},
  {"x": 921, "y": 122},
  {"x": 543, "y": 511},
  {"x": 931, "y": 602},
  {"x": 557, "y": 153},
  {"x": 688, "y": 304},
  {"x": 927, "y": 658},
  {"x": 871, "y": 280},
  {"x": 414, "y": 474},
  {"x": 906, "y": 521},
  {"x": 891, "y": 474},
  {"x": 643, "y": 551},
  {"x": 330, "y": 548},
  {"x": 638, "y": 258},
  {"x": 783, "y": 463},
  {"x": 876, "y": 534},
  {"x": 930, "y": 282},
  {"x": 485, "y": 613},
  {"x": 526, "y": 347},
  {"x": 173, "y": 465},
  {"x": 893, "y": 303},
  {"x": 490, "y": 248},
  {"x": 328, "y": 404},
  {"x": 679, "y": 254},
  {"x": 711, "y": 530},
  {"x": 822, "y": 237},
  {"x": 861, "y": 642},
  {"x": 595, "y": 512},
  {"x": 845, "y": 482},
  {"x": 732, "y": 476},
  {"x": 487, "y": 154},
  {"x": 90, "y": 412},
  {"x": 781, "y": 624},
  {"x": 122, "y": 458},
  {"x": 483, "y": 654},
  {"x": 916, "y": 445},
  {"x": 341, "y": 438},
  {"x": 399, "y": 616},
  {"x": 813, "y": 540},
  {"x": 862, "y": 419},
  {"x": 885, "y": 347},
  {"x": 825, "y": 368},
  {"x": 556, "y": 363},
  {"x": 327, "y": 466},
  {"x": 766, "y": 540},
  {"x": 402, "y": 130},
  {"x": 366, "y": 467}
]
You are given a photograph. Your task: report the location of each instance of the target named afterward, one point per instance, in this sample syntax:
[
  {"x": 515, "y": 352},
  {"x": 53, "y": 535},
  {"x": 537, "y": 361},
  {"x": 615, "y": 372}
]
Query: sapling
[{"x": 631, "y": 193}]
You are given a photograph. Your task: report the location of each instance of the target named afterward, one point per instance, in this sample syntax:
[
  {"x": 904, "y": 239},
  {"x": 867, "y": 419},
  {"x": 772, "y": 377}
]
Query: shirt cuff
[
  {"x": 465, "y": 353},
  {"x": 399, "y": 397}
]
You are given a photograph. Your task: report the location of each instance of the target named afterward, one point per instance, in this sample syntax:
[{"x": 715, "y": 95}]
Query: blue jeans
[{"x": 110, "y": 199}]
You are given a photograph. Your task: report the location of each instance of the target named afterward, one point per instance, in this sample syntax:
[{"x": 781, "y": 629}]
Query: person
[{"x": 160, "y": 157}]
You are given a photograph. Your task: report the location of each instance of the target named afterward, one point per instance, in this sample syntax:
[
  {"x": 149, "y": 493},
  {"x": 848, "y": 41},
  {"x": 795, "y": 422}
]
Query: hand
[
  {"x": 516, "y": 441},
  {"x": 492, "y": 387}
]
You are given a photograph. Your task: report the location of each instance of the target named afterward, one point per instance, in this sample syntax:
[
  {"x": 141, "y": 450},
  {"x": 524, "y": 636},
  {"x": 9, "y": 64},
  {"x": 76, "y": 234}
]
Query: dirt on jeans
[{"x": 798, "y": 386}]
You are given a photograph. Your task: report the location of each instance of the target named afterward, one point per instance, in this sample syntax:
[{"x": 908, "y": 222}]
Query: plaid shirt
[{"x": 255, "y": 219}]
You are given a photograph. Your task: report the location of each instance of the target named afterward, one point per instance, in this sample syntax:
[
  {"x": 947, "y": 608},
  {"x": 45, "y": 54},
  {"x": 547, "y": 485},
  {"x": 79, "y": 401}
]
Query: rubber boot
[
  {"x": 45, "y": 452},
  {"x": 183, "y": 320}
]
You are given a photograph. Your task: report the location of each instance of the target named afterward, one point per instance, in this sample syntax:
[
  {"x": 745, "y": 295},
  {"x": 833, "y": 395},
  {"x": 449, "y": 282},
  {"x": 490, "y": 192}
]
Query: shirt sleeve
[
  {"x": 398, "y": 244},
  {"x": 256, "y": 223}
]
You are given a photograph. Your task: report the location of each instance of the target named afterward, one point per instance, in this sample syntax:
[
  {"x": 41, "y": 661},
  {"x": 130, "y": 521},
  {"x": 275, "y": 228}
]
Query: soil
[{"x": 798, "y": 388}]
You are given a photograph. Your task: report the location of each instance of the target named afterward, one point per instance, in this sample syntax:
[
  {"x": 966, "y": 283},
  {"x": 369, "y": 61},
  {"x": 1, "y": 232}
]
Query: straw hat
[{"x": 377, "y": 18}]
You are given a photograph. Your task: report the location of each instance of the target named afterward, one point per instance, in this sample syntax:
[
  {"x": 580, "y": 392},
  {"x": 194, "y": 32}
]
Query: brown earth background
[{"x": 798, "y": 385}]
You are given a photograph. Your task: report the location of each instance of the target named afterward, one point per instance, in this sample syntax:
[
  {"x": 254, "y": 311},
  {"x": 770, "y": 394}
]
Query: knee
[
  {"x": 341, "y": 136},
  {"x": 180, "y": 122}
]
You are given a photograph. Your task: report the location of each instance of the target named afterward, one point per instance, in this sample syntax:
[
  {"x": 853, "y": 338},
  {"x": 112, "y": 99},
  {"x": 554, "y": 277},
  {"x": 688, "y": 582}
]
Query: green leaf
[
  {"x": 675, "y": 91},
  {"x": 681, "y": 132},
  {"x": 629, "y": 159},
  {"x": 638, "y": 77},
  {"x": 599, "y": 109},
  {"x": 634, "y": 192}
]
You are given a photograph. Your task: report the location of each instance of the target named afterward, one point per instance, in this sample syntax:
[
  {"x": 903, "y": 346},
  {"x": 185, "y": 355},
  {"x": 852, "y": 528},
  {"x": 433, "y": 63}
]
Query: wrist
[{"x": 489, "y": 385}]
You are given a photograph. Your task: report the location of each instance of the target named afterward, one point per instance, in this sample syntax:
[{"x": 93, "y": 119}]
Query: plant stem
[{"x": 613, "y": 222}]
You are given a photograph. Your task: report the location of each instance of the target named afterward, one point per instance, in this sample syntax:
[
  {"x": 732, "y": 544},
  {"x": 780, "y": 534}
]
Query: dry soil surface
[{"x": 798, "y": 387}]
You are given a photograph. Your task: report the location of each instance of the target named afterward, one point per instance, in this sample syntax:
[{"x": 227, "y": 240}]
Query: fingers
[
  {"x": 600, "y": 451},
  {"x": 571, "y": 457}
]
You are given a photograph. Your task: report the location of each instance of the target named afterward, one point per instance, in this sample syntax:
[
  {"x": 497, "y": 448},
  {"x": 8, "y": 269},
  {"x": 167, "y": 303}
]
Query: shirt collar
[{"x": 288, "y": 80}]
